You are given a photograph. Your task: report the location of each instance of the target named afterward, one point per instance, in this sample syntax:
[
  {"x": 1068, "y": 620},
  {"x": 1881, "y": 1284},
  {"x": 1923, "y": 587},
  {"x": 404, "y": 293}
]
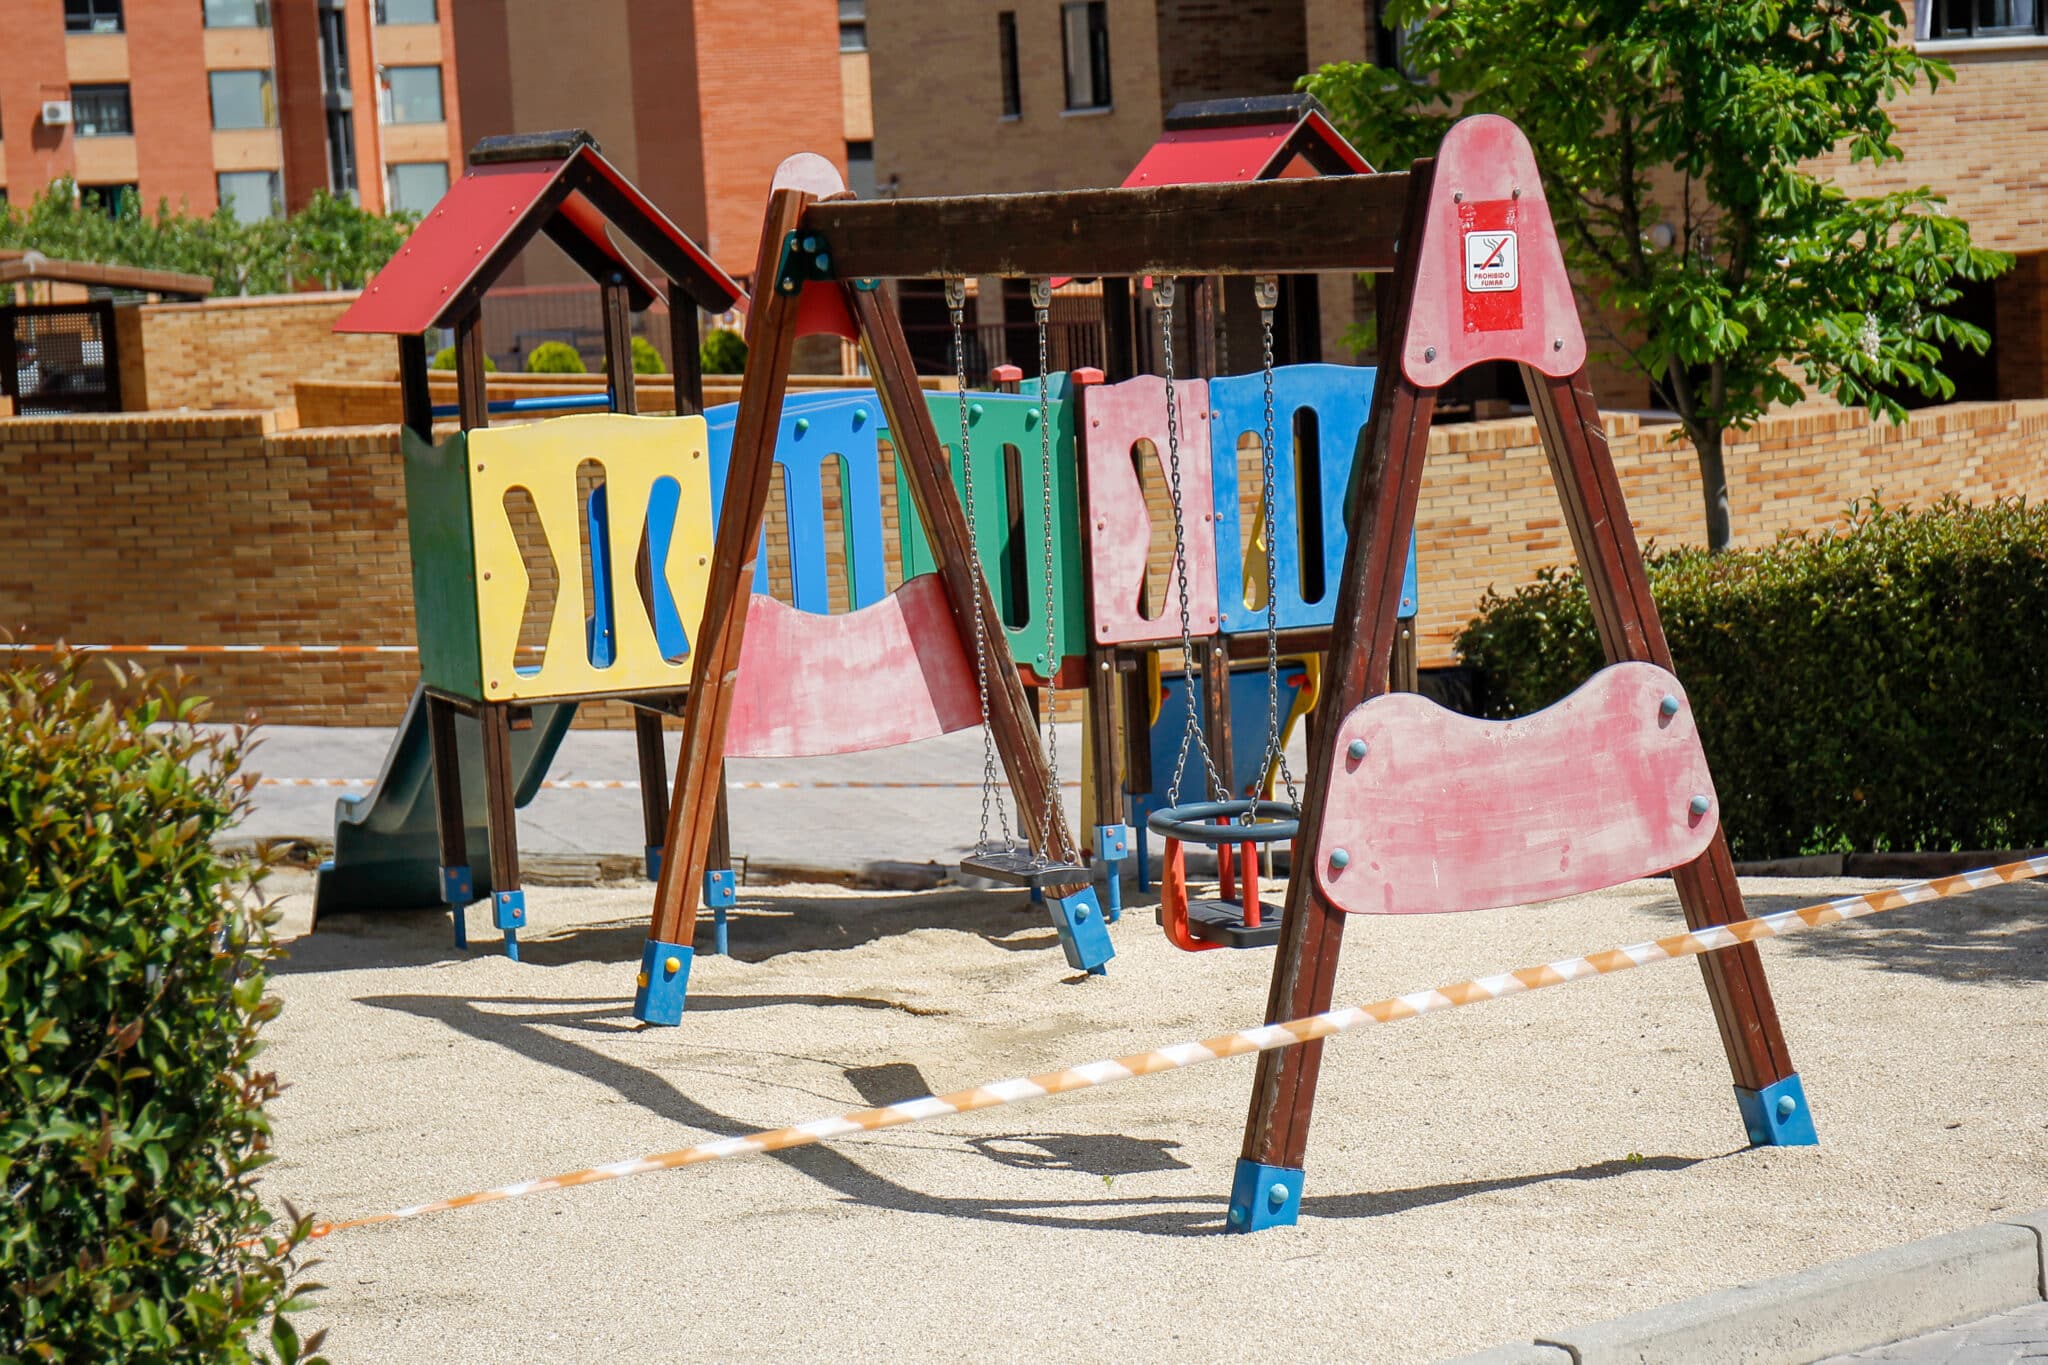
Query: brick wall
[
  {"x": 1218, "y": 49},
  {"x": 217, "y": 528},
  {"x": 247, "y": 353}
]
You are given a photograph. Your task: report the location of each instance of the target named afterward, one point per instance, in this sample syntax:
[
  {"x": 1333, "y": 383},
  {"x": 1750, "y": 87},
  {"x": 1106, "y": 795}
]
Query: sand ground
[{"x": 1473, "y": 1177}]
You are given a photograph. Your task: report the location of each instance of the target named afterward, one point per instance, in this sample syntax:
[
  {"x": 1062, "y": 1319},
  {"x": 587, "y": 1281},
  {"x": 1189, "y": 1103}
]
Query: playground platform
[{"x": 1479, "y": 1179}]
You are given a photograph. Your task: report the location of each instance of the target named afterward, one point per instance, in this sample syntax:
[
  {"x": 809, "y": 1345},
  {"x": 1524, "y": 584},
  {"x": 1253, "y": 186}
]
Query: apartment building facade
[
  {"x": 975, "y": 96},
  {"x": 255, "y": 104}
]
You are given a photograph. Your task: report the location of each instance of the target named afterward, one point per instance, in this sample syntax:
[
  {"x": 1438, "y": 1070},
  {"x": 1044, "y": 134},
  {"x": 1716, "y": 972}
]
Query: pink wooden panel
[
  {"x": 1490, "y": 281},
  {"x": 1115, "y": 418},
  {"x": 886, "y": 674},
  {"x": 1444, "y": 812}
]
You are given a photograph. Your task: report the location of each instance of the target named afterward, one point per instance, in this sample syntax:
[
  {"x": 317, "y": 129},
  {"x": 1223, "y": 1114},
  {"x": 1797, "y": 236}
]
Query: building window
[
  {"x": 238, "y": 13},
  {"x": 1940, "y": 19},
  {"x": 853, "y": 25},
  {"x": 860, "y": 168},
  {"x": 112, "y": 200},
  {"x": 411, "y": 94},
  {"x": 1084, "y": 44},
  {"x": 101, "y": 111},
  {"x": 1006, "y": 56},
  {"x": 334, "y": 81},
  {"x": 341, "y": 155},
  {"x": 92, "y": 16},
  {"x": 406, "y": 12},
  {"x": 252, "y": 196},
  {"x": 415, "y": 186},
  {"x": 242, "y": 99}
]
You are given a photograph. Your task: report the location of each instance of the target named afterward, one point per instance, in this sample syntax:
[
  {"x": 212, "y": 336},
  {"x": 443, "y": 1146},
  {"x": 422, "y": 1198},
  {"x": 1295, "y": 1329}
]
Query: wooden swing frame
[{"x": 1385, "y": 223}]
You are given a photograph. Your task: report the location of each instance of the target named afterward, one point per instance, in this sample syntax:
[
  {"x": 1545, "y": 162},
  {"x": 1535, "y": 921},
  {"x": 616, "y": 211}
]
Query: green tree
[
  {"x": 554, "y": 357},
  {"x": 724, "y": 352},
  {"x": 1706, "y": 117}
]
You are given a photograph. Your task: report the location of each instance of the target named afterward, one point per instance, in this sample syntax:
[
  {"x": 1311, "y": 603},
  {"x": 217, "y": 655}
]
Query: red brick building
[{"x": 253, "y": 103}]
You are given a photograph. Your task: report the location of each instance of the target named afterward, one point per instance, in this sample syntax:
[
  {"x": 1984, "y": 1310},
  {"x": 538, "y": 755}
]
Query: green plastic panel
[
  {"x": 1011, "y": 502},
  {"x": 443, "y": 563}
]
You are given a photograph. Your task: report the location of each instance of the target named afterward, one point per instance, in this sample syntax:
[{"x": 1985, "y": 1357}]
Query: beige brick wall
[
  {"x": 248, "y": 353},
  {"x": 219, "y": 529}
]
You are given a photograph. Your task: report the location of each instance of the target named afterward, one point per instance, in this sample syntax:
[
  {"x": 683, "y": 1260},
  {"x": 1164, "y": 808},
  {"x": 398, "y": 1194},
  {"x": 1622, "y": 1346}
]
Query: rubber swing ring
[{"x": 1275, "y": 822}]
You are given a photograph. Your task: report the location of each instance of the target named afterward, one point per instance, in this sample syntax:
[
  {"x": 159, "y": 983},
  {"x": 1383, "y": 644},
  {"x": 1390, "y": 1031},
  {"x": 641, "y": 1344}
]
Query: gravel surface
[{"x": 1476, "y": 1177}]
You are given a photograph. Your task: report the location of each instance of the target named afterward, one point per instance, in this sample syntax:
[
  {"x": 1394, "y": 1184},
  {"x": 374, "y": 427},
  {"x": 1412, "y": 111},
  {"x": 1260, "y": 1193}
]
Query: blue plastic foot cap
[
  {"x": 1777, "y": 1116},
  {"x": 720, "y": 889},
  {"x": 457, "y": 887},
  {"x": 508, "y": 909},
  {"x": 664, "y": 981},
  {"x": 1084, "y": 934},
  {"x": 1263, "y": 1197},
  {"x": 1112, "y": 842},
  {"x": 654, "y": 862}
]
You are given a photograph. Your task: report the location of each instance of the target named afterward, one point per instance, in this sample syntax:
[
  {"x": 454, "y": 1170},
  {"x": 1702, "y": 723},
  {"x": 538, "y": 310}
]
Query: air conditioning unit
[{"x": 56, "y": 113}]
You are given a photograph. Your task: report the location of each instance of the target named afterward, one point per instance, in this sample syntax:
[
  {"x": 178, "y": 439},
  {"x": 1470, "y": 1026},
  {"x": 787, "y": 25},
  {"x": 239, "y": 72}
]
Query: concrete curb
[{"x": 1851, "y": 1305}]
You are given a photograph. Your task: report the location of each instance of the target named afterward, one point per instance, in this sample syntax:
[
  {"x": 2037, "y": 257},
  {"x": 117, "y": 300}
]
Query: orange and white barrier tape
[{"x": 1266, "y": 1039}]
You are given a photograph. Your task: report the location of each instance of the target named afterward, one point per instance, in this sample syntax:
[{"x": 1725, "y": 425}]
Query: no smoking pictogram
[{"x": 1492, "y": 264}]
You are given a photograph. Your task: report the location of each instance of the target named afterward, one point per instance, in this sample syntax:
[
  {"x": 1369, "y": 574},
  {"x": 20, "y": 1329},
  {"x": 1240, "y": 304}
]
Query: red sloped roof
[
  {"x": 1264, "y": 151},
  {"x": 483, "y": 220}
]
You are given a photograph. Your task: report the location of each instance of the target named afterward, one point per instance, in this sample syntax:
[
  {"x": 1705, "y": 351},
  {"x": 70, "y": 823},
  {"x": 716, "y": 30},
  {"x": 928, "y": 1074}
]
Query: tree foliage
[
  {"x": 329, "y": 244},
  {"x": 724, "y": 351},
  {"x": 1707, "y": 117},
  {"x": 132, "y": 959},
  {"x": 555, "y": 357}
]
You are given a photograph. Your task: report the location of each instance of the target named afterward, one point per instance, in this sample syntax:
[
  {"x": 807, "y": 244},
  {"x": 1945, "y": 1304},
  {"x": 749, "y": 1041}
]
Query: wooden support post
[
  {"x": 448, "y": 817},
  {"x": 771, "y": 342},
  {"x": 927, "y": 470},
  {"x": 1389, "y": 483},
  {"x": 415, "y": 397},
  {"x": 688, "y": 367},
  {"x": 1406, "y": 673},
  {"x": 1119, "y": 330},
  {"x": 472, "y": 392},
  {"x": 1215, "y": 718},
  {"x": 1625, "y": 616},
  {"x": 618, "y": 346},
  {"x": 500, "y": 806}
]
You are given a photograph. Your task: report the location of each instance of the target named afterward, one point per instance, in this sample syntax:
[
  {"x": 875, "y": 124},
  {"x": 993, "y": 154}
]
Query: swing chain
[
  {"x": 956, "y": 303},
  {"x": 1192, "y": 735},
  {"x": 1266, "y": 289},
  {"x": 1055, "y": 820}
]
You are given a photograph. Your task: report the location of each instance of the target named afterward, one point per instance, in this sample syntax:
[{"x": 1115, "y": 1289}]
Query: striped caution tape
[
  {"x": 627, "y": 784},
  {"x": 213, "y": 649},
  {"x": 1266, "y": 1039}
]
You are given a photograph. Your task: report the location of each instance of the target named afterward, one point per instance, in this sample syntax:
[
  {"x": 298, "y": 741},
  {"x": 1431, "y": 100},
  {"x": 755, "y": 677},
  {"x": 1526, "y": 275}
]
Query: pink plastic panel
[
  {"x": 1490, "y": 283},
  {"x": 886, "y": 674},
  {"x": 1115, "y": 417},
  {"x": 1444, "y": 812}
]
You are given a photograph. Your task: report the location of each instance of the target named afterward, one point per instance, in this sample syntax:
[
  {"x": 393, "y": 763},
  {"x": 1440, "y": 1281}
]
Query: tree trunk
[{"x": 1713, "y": 488}]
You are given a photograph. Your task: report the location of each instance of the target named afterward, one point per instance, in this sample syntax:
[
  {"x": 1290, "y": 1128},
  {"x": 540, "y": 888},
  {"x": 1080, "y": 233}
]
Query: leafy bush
[
  {"x": 444, "y": 359},
  {"x": 647, "y": 360},
  {"x": 554, "y": 357},
  {"x": 329, "y": 244},
  {"x": 723, "y": 352},
  {"x": 131, "y": 994},
  {"x": 1871, "y": 687}
]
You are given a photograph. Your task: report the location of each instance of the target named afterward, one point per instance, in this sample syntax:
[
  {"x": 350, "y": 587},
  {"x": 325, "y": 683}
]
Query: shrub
[
  {"x": 131, "y": 994},
  {"x": 723, "y": 352},
  {"x": 444, "y": 359},
  {"x": 554, "y": 357},
  {"x": 1874, "y": 686},
  {"x": 647, "y": 360}
]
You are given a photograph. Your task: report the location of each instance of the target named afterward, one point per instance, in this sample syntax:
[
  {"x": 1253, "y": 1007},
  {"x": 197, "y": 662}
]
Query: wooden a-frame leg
[
  {"x": 699, "y": 785},
  {"x": 1112, "y": 839},
  {"x": 653, "y": 763},
  {"x": 1387, "y": 473},
  {"x": 1772, "y": 1101},
  {"x": 508, "y": 901},
  {"x": 457, "y": 883}
]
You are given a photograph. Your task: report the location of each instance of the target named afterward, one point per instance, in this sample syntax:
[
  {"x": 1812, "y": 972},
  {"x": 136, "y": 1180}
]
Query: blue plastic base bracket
[
  {"x": 508, "y": 909},
  {"x": 664, "y": 981},
  {"x": 1084, "y": 934},
  {"x": 721, "y": 893},
  {"x": 1777, "y": 1116},
  {"x": 458, "y": 890},
  {"x": 1263, "y": 1197},
  {"x": 1112, "y": 846},
  {"x": 654, "y": 862}
]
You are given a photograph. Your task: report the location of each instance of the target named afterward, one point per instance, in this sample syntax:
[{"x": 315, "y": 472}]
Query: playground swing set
[{"x": 1405, "y": 807}]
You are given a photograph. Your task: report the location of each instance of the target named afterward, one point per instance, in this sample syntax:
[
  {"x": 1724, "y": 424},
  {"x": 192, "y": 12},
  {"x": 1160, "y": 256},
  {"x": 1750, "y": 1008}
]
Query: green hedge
[
  {"x": 1875, "y": 686},
  {"x": 554, "y": 357},
  {"x": 131, "y": 994},
  {"x": 724, "y": 352}
]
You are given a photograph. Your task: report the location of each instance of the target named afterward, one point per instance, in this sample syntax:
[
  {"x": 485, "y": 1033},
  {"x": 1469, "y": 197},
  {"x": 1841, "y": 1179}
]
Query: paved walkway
[{"x": 2008, "y": 1337}]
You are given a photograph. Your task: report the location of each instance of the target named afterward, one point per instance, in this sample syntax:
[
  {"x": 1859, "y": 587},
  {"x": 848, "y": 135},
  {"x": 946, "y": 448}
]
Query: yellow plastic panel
[{"x": 543, "y": 457}]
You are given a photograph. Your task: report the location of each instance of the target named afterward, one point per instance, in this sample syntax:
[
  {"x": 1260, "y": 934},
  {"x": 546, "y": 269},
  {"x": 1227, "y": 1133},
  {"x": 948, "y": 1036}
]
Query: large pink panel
[
  {"x": 1115, "y": 417},
  {"x": 1490, "y": 281},
  {"x": 886, "y": 674},
  {"x": 1443, "y": 812}
]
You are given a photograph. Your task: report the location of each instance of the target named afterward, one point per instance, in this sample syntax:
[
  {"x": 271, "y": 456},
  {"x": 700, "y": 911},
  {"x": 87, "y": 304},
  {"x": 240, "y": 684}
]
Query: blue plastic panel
[{"x": 1247, "y": 730}]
